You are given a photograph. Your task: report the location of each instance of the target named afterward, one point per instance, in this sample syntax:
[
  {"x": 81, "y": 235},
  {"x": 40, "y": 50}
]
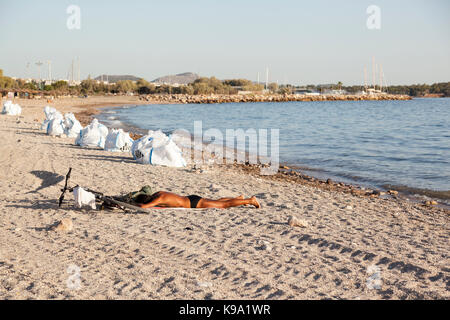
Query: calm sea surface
[{"x": 377, "y": 143}]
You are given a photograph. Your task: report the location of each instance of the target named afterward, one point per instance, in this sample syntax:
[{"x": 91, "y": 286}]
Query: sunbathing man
[{"x": 172, "y": 200}]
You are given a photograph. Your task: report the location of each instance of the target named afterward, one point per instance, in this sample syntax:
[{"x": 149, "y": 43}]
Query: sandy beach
[{"x": 352, "y": 247}]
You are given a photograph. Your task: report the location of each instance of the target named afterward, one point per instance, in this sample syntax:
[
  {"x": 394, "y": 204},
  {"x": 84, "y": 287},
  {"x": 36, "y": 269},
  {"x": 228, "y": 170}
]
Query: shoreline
[
  {"x": 237, "y": 253},
  {"x": 409, "y": 193}
]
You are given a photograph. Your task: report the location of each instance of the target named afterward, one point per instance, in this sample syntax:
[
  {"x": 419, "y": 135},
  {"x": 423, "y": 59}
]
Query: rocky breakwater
[{"x": 237, "y": 98}]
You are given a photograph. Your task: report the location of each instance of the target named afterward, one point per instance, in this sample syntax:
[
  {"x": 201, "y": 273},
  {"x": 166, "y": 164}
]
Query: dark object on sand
[
  {"x": 121, "y": 202},
  {"x": 61, "y": 198}
]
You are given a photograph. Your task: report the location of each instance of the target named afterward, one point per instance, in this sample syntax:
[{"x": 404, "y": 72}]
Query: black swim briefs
[{"x": 194, "y": 199}]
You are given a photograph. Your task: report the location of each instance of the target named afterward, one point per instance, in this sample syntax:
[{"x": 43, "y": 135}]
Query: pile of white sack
[
  {"x": 56, "y": 125},
  {"x": 156, "y": 148},
  {"x": 94, "y": 135},
  {"x": 11, "y": 109}
]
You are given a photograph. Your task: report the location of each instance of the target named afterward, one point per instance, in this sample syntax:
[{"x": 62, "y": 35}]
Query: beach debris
[
  {"x": 393, "y": 192},
  {"x": 349, "y": 207},
  {"x": 118, "y": 141},
  {"x": 94, "y": 135},
  {"x": 83, "y": 198},
  {"x": 376, "y": 193},
  {"x": 156, "y": 148},
  {"x": 65, "y": 224},
  {"x": 11, "y": 109},
  {"x": 295, "y": 222},
  {"x": 430, "y": 203}
]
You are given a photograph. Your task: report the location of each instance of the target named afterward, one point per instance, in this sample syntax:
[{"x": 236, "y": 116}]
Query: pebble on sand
[
  {"x": 264, "y": 245},
  {"x": 294, "y": 222},
  {"x": 63, "y": 225},
  {"x": 204, "y": 284}
]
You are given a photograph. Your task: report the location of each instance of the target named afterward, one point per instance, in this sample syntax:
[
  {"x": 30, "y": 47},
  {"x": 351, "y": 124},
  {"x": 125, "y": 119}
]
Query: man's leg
[
  {"x": 206, "y": 203},
  {"x": 227, "y": 199}
]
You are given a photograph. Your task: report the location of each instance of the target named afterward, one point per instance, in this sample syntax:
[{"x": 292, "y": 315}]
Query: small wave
[{"x": 443, "y": 195}]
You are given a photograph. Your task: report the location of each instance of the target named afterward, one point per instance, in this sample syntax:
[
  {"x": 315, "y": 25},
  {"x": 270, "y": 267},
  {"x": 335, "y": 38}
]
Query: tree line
[{"x": 201, "y": 86}]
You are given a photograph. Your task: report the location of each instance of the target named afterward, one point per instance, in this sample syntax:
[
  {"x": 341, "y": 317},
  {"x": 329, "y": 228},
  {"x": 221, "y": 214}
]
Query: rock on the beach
[
  {"x": 264, "y": 245},
  {"x": 63, "y": 225},
  {"x": 214, "y": 188},
  {"x": 294, "y": 222},
  {"x": 204, "y": 284}
]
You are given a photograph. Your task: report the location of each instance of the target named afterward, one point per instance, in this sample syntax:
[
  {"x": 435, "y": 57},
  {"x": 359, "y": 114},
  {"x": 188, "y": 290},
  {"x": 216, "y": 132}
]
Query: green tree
[
  {"x": 273, "y": 87},
  {"x": 87, "y": 86},
  {"x": 125, "y": 86},
  {"x": 285, "y": 90},
  {"x": 61, "y": 85}
]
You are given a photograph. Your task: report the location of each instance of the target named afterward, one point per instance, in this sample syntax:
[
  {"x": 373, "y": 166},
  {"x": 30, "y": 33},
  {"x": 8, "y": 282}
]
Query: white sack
[
  {"x": 83, "y": 198},
  {"x": 72, "y": 126},
  {"x": 94, "y": 135},
  {"x": 11, "y": 109},
  {"x": 50, "y": 113},
  {"x": 157, "y": 149},
  {"x": 118, "y": 141},
  {"x": 55, "y": 126}
]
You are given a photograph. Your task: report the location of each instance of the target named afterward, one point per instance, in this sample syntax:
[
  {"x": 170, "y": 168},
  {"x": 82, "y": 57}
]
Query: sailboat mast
[
  {"x": 373, "y": 72},
  {"x": 365, "y": 78},
  {"x": 381, "y": 78}
]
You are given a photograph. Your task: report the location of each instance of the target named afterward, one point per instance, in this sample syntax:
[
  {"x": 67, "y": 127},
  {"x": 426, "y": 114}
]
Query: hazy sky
[{"x": 302, "y": 42}]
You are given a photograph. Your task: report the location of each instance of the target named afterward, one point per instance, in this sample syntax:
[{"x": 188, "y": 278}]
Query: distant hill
[
  {"x": 115, "y": 78},
  {"x": 182, "y": 78}
]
